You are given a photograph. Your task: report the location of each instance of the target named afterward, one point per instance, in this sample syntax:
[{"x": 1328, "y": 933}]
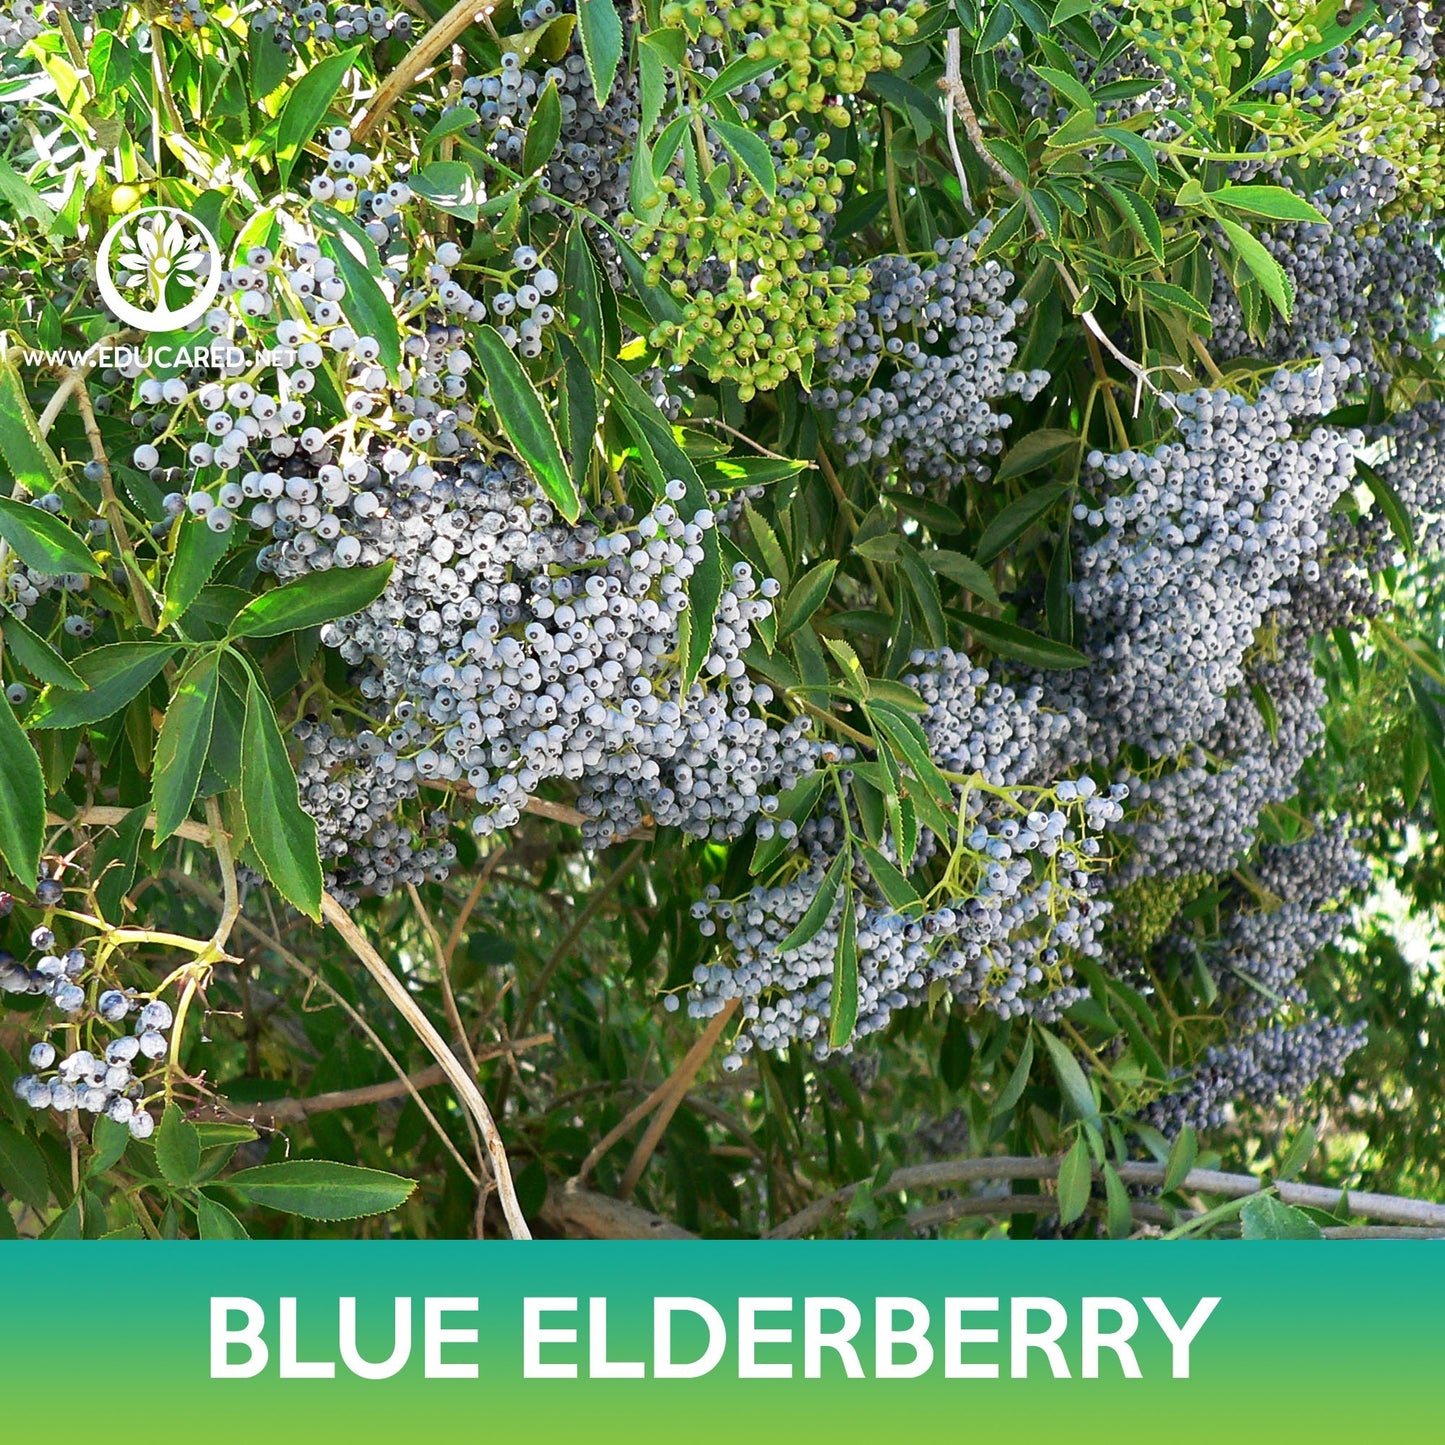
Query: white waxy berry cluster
[
  {"x": 1022, "y": 907},
  {"x": 591, "y": 165},
  {"x": 20, "y": 23},
  {"x": 512, "y": 648},
  {"x": 978, "y": 725},
  {"x": 272, "y": 449},
  {"x": 112, "y": 1082},
  {"x": 289, "y": 23},
  {"x": 1003, "y": 946},
  {"x": 937, "y": 345},
  {"x": 1262, "y": 952},
  {"x": 1274, "y": 1065},
  {"x": 1412, "y": 461},
  {"x": 23, "y": 588},
  {"x": 1202, "y": 815},
  {"x": 1359, "y": 276},
  {"x": 355, "y": 787},
  {"x": 1201, "y": 538}
]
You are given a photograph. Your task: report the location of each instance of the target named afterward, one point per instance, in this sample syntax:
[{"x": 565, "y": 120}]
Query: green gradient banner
[{"x": 1335, "y": 1342}]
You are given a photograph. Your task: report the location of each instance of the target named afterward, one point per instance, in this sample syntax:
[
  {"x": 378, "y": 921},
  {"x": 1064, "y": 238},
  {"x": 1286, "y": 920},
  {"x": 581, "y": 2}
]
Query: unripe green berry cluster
[
  {"x": 823, "y": 49},
  {"x": 755, "y": 305}
]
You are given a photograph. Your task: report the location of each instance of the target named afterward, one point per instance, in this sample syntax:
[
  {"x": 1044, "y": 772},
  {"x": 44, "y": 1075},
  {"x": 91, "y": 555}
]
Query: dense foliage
[{"x": 637, "y": 613}]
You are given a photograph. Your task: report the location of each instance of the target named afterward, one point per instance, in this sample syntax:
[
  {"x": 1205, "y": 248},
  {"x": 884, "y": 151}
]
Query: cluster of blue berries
[
  {"x": 115, "y": 1081},
  {"x": 912, "y": 379}
]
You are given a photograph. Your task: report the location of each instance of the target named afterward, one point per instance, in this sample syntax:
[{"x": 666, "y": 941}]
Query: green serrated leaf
[
  {"x": 806, "y": 596},
  {"x": 1182, "y": 1154},
  {"x": 108, "y": 1139},
  {"x": 524, "y": 417},
  {"x": 366, "y": 306},
  {"x": 215, "y": 1221},
  {"x": 1067, "y": 85},
  {"x": 1007, "y": 640},
  {"x": 666, "y": 461},
  {"x": 43, "y": 542},
  {"x": 843, "y": 999},
  {"x": 601, "y": 44},
  {"x": 1074, "y": 1085},
  {"x": 1120, "y": 1210},
  {"x": 938, "y": 519},
  {"x": 312, "y": 600},
  {"x": 736, "y": 74},
  {"x": 184, "y": 741},
  {"x": 543, "y": 129},
  {"x": 1016, "y": 518},
  {"x": 1271, "y": 276},
  {"x": 1262, "y": 1216},
  {"x": 899, "y": 892},
  {"x": 1166, "y": 299},
  {"x": 112, "y": 676},
  {"x": 750, "y": 151},
  {"x": 1395, "y": 511},
  {"x": 178, "y": 1148},
  {"x": 23, "y": 198},
  {"x": 198, "y": 552},
  {"x": 963, "y": 570},
  {"x": 450, "y": 186},
  {"x": 319, "y": 1189},
  {"x": 1275, "y": 203},
  {"x": 38, "y": 657},
  {"x": 820, "y": 910},
  {"x": 281, "y": 831},
  {"x": 1140, "y": 217},
  {"x": 581, "y": 299},
  {"x": 22, "y": 800},
  {"x": 306, "y": 108},
  {"x": 1076, "y": 1180},
  {"x": 1299, "y": 1153},
  {"x": 768, "y": 545},
  {"x": 23, "y": 1175}
]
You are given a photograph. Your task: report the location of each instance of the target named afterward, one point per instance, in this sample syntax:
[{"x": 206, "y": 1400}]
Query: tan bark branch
[
  {"x": 1389, "y": 1208},
  {"x": 404, "y": 1084},
  {"x": 673, "y": 1092},
  {"x": 574, "y": 1211},
  {"x": 272, "y": 1113},
  {"x": 449, "y": 28},
  {"x": 422, "y": 1026}
]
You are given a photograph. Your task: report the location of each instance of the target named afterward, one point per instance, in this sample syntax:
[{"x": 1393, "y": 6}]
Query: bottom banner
[{"x": 704, "y": 1342}]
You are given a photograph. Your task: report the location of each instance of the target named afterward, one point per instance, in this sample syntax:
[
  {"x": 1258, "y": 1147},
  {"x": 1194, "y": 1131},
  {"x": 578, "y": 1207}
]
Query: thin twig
[
  {"x": 449, "y": 28},
  {"x": 464, "y": 915},
  {"x": 405, "y": 1085},
  {"x": 637, "y": 1113},
  {"x": 825, "y": 464},
  {"x": 954, "y": 72},
  {"x": 220, "y": 842},
  {"x": 449, "y": 998},
  {"x": 576, "y": 1211},
  {"x": 294, "y": 1109},
  {"x": 403, "y": 1002},
  {"x": 459, "y": 1032},
  {"x": 466, "y": 1088},
  {"x": 1390, "y": 1208},
  {"x": 732, "y": 431},
  {"x": 675, "y": 1091},
  {"x": 110, "y": 506},
  {"x": 956, "y": 97}
]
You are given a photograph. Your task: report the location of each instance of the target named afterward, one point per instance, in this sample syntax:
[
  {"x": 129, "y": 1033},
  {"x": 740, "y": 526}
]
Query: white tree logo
[{"x": 158, "y": 269}]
